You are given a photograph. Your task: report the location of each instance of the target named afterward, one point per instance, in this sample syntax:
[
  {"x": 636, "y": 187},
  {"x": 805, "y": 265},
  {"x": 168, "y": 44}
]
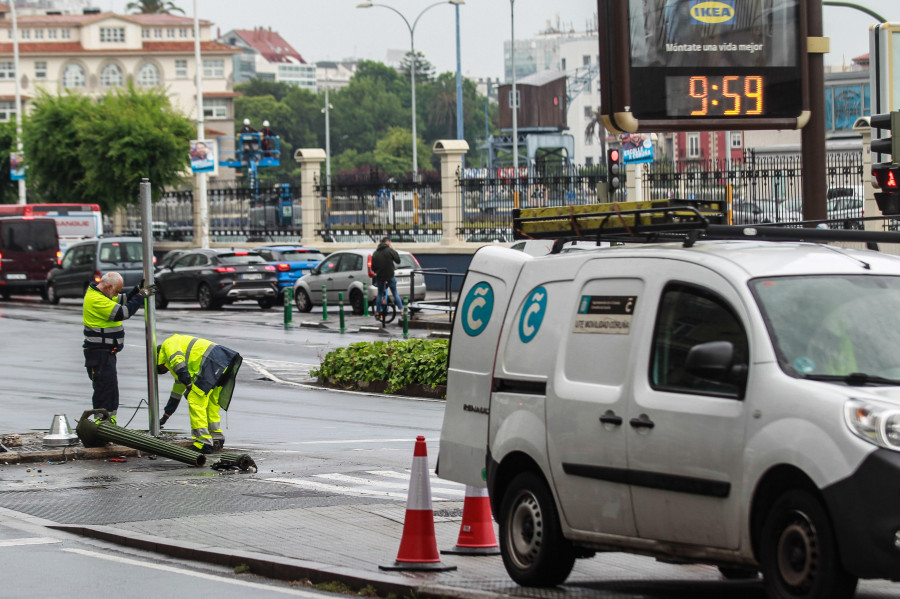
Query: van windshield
[
  {"x": 824, "y": 326},
  {"x": 28, "y": 236}
]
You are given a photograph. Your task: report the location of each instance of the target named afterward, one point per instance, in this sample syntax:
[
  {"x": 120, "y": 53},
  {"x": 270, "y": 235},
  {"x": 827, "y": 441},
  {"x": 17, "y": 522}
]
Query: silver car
[{"x": 349, "y": 272}]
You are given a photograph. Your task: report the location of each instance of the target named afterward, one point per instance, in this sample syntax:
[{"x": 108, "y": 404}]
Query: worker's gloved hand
[
  {"x": 147, "y": 291},
  {"x": 162, "y": 421}
]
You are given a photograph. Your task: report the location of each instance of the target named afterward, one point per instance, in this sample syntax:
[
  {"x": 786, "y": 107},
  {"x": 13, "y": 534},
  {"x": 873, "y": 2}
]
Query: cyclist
[{"x": 383, "y": 260}]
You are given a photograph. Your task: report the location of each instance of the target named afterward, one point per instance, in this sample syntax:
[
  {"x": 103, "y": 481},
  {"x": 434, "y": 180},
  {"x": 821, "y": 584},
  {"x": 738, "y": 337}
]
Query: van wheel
[
  {"x": 531, "y": 542},
  {"x": 302, "y": 301},
  {"x": 52, "y": 296},
  {"x": 798, "y": 551},
  {"x": 356, "y": 302}
]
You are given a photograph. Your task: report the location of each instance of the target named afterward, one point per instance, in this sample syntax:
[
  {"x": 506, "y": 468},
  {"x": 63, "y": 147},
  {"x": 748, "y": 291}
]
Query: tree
[
  {"x": 393, "y": 152},
  {"x": 424, "y": 69},
  {"x": 153, "y": 7},
  {"x": 9, "y": 192},
  {"x": 441, "y": 103}
]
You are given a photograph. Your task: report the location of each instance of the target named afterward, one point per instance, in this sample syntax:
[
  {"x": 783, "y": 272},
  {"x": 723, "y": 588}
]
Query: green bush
[{"x": 400, "y": 363}]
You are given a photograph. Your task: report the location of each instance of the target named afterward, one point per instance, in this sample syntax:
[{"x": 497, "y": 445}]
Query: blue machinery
[{"x": 252, "y": 151}]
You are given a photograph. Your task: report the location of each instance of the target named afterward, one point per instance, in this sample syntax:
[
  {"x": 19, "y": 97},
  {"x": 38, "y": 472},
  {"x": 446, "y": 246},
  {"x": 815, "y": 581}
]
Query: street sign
[{"x": 689, "y": 65}]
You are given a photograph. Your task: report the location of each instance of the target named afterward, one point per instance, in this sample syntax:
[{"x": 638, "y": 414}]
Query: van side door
[{"x": 686, "y": 431}]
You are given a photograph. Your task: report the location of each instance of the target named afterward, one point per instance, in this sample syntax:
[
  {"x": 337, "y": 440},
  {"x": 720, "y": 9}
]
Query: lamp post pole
[
  {"x": 459, "y": 96},
  {"x": 201, "y": 207},
  {"x": 15, "y": 32},
  {"x": 412, "y": 70},
  {"x": 515, "y": 96}
]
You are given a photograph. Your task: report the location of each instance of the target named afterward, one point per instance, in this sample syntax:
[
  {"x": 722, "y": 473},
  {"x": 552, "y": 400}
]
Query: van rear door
[
  {"x": 29, "y": 249},
  {"x": 477, "y": 323}
]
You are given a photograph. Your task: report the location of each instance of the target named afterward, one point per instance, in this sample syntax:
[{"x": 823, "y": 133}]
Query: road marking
[
  {"x": 214, "y": 577},
  {"x": 333, "y": 441},
  {"x": 363, "y": 486},
  {"x": 337, "y": 489},
  {"x": 28, "y": 541}
]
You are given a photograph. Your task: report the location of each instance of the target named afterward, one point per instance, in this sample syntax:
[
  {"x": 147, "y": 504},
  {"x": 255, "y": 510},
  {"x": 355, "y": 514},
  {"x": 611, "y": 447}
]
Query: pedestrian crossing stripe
[
  {"x": 27, "y": 541},
  {"x": 373, "y": 483}
]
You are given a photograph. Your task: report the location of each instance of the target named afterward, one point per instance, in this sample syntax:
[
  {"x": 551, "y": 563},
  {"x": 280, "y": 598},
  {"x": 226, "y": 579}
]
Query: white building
[
  {"x": 335, "y": 74},
  {"x": 96, "y": 52},
  {"x": 268, "y": 56}
]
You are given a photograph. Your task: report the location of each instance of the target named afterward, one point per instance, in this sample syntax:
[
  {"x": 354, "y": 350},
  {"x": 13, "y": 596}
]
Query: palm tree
[
  {"x": 595, "y": 126},
  {"x": 153, "y": 7}
]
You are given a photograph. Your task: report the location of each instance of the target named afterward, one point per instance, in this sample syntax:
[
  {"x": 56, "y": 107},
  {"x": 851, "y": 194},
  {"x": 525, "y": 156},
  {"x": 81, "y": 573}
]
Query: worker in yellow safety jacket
[{"x": 205, "y": 373}]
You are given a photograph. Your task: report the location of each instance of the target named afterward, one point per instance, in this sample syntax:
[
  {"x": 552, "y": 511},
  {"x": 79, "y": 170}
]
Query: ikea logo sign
[{"x": 711, "y": 12}]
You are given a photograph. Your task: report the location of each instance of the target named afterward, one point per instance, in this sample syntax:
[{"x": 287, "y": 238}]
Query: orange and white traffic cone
[
  {"x": 476, "y": 533},
  {"x": 418, "y": 546}
]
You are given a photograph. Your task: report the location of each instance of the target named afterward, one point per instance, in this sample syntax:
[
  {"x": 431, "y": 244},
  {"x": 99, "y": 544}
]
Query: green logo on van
[
  {"x": 477, "y": 308},
  {"x": 532, "y": 314}
]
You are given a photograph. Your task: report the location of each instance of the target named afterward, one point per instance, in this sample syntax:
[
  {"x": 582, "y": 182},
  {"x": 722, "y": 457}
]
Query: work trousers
[
  {"x": 204, "y": 410},
  {"x": 101, "y": 368}
]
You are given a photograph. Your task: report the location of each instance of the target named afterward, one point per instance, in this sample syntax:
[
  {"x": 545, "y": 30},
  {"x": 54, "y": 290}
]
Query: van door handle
[
  {"x": 609, "y": 417},
  {"x": 642, "y": 421}
]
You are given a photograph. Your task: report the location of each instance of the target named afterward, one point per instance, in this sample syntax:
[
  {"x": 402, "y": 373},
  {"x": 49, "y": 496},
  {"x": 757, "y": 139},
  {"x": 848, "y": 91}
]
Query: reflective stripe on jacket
[{"x": 102, "y": 318}]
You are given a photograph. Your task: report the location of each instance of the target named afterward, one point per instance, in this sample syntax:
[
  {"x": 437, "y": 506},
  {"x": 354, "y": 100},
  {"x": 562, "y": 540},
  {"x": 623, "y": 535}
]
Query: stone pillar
[
  {"x": 451, "y": 152},
  {"x": 310, "y": 161},
  {"x": 120, "y": 220},
  {"x": 870, "y": 206}
]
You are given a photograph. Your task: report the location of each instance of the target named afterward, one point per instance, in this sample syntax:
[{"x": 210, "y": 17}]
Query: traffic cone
[
  {"x": 476, "y": 534},
  {"x": 418, "y": 546}
]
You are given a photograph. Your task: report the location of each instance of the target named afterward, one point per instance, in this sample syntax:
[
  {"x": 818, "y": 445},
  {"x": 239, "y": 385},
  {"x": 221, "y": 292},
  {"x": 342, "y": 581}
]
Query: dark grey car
[{"x": 85, "y": 262}]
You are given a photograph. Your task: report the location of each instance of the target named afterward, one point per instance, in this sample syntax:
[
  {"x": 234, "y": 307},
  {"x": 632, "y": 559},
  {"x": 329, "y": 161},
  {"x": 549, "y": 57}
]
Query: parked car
[
  {"x": 765, "y": 210},
  {"x": 291, "y": 262},
  {"x": 86, "y": 262},
  {"x": 29, "y": 248},
  {"x": 349, "y": 272},
  {"x": 169, "y": 258},
  {"x": 215, "y": 277},
  {"x": 849, "y": 209}
]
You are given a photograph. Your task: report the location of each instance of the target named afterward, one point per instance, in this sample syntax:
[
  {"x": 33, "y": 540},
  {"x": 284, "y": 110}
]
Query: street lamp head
[
  {"x": 457, "y": 2},
  {"x": 365, "y": 5}
]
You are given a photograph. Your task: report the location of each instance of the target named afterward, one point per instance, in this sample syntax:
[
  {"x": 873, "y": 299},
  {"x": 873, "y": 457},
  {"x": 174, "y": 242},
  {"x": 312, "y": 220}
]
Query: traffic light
[
  {"x": 887, "y": 174},
  {"x": 613, "y": 170}
]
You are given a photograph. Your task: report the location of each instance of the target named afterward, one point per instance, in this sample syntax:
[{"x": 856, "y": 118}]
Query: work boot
[
  {"x": 204, "y": 449},
  {"x": 218, "y": 440}
]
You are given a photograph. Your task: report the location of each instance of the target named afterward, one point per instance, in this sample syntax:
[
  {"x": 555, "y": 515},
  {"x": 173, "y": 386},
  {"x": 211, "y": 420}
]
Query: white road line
[
  {"x": 336, "y": 441},
  {"x": 440, "y": 486},
  {"x": 172, "y": 569},
  {"x": 317, "y": 486},
  {"x": 28, "y": 541}
]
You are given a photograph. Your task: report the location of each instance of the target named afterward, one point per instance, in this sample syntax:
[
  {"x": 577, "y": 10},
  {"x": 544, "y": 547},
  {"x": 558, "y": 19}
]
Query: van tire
[
  {"x": 356, "y": 302},
  {"x": 52, "y": 296},
  {"x": 798, "y": 551},
  {"x": 302, "y": 301},
  {"x": 534, "y": 550}
]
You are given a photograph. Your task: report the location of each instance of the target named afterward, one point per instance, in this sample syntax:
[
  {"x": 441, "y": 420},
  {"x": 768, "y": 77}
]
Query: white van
[{"x": 734, "y": 403}]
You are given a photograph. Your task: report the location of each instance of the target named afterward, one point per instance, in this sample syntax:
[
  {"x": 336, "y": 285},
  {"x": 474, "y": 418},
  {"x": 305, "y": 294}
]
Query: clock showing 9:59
[{"x": 715, "y": 96}]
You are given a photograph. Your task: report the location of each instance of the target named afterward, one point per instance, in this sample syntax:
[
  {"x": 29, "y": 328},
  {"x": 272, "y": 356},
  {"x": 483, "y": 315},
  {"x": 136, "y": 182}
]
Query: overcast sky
[{"x": 336, "y": 29}]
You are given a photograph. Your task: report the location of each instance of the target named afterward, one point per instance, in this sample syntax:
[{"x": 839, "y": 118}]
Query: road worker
[
  {"x": 105, "y": 307},
  {"x": 205, "y": 373}
]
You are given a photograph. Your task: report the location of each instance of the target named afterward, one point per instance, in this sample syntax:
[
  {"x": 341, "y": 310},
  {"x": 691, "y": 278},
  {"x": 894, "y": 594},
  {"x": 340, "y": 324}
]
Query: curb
[
  {"x": 73, "y": 452},
  {"x": 273, "y": 566}
]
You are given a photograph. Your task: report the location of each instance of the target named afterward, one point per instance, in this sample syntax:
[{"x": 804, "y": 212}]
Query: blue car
[{"x": 291, "y": 262}]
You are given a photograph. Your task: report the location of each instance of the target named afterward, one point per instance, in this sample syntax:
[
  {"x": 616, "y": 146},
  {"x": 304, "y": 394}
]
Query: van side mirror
[{"x": 714, "y": 360}]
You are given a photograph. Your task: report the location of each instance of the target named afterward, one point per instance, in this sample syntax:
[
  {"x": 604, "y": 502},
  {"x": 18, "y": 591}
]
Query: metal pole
[
  {"x": 515, "y": 98},
  {"x": 459, "y": 91},
  {"x": 366, "y": 300},
  {"x": 149, "y": 307},
  {"x": 15, "y": 32},
  {"x": 813, "y": 134},
  {"x": 324, "y": 303},
  {"x": 201, "y": 204},
  {"x": 341, "y": 311},
  {"x": 327, "y": 145},
  {"x": 412, "y": 72},
  {"x": 288, "y": 305}
]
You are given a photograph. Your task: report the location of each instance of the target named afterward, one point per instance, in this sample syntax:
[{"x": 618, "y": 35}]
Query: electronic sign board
[{"x": 672, "y": 65}]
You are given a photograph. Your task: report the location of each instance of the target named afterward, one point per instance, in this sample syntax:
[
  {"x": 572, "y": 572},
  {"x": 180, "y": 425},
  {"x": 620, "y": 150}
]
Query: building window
[
  {"x": 112, "y": 34},
  {"x": 588, "y": 161},
  {"x": 148, "y": 75},
  {"x": 586, "y": 60},
  {"x": 65, "y": 34},
  {"x": 7, "y": 110},
  {"x": 737, "y": 140},
  {"x": 73, "y": 76},
  {"x": 111, "y": 75},
  {"x": 215, "y": 108},
  {"x": 157, "y": 33},
  {"x": 184, "y": 32},
  {"x": 7, "y": 70},
  {"x": 181, "y": 69},
  {"x": 38, "y": 34},
  {"x": 9, "y": 34},
  {"x": 588, "y": 113},
  {"x": 40, "y": 69},
  {"x": 51, "y": 34},
  {"x": 693, "y": 145},
  {"x": 145, "y": 34},
  {"x": 213, "y": 68},
  {"x": 26, "y": 34},
  {"x": 170, "y": 32}
]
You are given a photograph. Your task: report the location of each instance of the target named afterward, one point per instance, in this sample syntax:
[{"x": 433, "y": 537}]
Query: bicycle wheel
[{"x": 386, "y": 312}]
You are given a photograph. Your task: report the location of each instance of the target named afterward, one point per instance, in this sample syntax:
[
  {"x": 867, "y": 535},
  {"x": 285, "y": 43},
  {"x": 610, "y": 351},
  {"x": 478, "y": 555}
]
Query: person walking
[
  {"x": 105, "y": 307},
  {"x": 205, "y": 374},
  {"x": 383, "y": 260}
]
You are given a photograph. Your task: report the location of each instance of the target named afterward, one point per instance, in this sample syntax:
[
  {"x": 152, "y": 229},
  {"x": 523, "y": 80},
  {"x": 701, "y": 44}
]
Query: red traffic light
[{"x": 613, "y": 155}]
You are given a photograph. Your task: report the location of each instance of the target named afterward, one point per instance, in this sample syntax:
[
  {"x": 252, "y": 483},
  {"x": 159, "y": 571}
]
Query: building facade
[{"x": 265, "y": 55}]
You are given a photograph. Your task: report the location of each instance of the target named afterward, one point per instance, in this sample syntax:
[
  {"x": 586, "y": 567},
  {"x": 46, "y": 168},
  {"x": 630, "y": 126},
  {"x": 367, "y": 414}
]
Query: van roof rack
[{"x": 660, "y": 221}]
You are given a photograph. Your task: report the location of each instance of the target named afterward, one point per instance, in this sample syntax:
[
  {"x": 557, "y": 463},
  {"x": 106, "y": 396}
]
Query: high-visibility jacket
[
  {"x": 102, "y": 318},
  {"x": 194, "y": 361}
]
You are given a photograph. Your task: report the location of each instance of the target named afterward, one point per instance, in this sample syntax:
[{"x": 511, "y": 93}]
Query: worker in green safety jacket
[
  {"x": 105, "y": 307},
  {"x": 205, "y": 373}
]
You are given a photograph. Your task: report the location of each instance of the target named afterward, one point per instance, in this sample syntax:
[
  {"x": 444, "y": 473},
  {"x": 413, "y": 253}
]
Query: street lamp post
[
  {"x": 515, "y": 95},
  {"x": 15, "y": 32},
  {"x": 201, "y": 207},
  {"x": 412, "y": 47}
]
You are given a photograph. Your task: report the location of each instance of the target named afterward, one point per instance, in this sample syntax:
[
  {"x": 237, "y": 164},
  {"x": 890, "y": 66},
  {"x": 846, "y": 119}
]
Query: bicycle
[{"x": 387, "y": 311}]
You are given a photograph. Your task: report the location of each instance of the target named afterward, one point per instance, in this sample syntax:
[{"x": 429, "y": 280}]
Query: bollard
[
  {"x": 341, "y": 310},
  {"x": 288, "y": 305},
  {"x": 324, "y": 303},
  {"x": 406, "y": 318},
  {"x": 365, "y": 300}
]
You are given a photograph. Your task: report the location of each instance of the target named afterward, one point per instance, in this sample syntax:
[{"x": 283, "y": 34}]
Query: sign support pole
[
  {"x": 813, "y": 134},
  {"x": 149, "y": 307}
]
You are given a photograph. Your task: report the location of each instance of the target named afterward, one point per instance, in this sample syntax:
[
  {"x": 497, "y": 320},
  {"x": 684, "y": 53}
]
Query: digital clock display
[{"x": 715, "y": 96}]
